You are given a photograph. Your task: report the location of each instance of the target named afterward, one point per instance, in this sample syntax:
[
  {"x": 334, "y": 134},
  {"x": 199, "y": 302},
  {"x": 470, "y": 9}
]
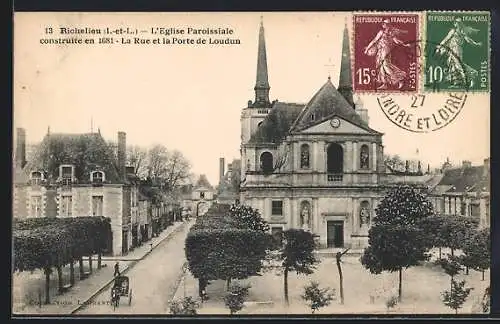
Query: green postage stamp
[{"x": 457, "y": 51}]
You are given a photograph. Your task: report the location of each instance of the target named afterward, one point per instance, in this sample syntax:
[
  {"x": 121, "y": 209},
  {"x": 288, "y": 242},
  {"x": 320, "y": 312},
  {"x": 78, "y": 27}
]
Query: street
[{"x": 153, "y": 281}]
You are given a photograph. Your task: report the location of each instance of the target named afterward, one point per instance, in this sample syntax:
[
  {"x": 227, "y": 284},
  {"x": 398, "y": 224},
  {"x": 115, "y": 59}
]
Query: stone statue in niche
[
  {"x": 364, "y": 163},
  {"x": 305, "y": 216},
  {"x": 364, "y": 216},
  {"x": 304, "y": 159}
]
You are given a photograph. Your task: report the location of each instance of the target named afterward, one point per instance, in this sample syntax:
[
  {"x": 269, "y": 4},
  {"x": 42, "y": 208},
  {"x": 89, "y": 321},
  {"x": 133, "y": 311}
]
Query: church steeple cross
[{"x": 330, "y": 68}]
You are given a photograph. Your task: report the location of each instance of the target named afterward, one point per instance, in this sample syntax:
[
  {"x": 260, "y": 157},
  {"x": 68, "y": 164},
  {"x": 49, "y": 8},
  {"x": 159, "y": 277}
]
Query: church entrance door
[{"x": 335, "y": 234}]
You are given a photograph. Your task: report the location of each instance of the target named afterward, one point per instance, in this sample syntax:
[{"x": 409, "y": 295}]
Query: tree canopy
[
  {"x": 45, "y": 242},
  {"x": 220, "y": 246},
  {"x": 398, "y": 237}
]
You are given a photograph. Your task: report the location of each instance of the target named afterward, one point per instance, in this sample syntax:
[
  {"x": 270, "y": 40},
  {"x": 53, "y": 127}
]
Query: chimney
[
  {"x": 21, "y": 148},
  {"x": 122, "y": 154},
  {"x": 466, "y": 164},
  {"x": 229, "y": 171},
  {"x": 486, "y": 168},
  {"x": 360, "y": 109},
  {"x": 221, "y": 170}
]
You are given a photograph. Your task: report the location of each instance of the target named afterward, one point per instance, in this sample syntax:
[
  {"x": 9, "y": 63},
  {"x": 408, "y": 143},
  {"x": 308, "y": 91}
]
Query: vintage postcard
[{"x": 237, "y": 163}]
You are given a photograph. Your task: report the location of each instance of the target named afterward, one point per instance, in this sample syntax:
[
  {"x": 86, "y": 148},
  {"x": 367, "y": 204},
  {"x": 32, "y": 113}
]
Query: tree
[
  {"x": 317, "y": 297},
  {"x": 137, "y": 157},
  {"x": 219, "y": 247},
  {"x": 456, "y": 296},
  {"x": 338, "y": 259},
  {"x": 186, "y": 306},
  {"x": 394, "y": 162},
  {"x": 296, "y": 255},
  {"x": 451, "y": 267},
  {"x": 397, "y": 239},
  {"x": 477, "y": 251},
  {"x": 247, "y": 217},
  {"x": 235, "y": 297}
]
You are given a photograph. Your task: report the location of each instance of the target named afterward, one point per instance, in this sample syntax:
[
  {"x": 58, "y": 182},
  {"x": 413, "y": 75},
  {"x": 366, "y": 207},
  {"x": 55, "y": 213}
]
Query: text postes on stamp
[
  {"x": 457, "y": 53},
  {"x": 384, "y": 59}
]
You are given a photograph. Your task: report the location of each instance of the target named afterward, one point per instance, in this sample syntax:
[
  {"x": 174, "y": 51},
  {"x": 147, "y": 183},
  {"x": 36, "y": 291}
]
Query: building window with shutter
[
  {"x": 66, "y": 173},
  {"x": 97, "y": 202},
  {"x": 277, "y": 208},
  {"x": 36, "y": 206},
  {"x": 66, "y": 206}
]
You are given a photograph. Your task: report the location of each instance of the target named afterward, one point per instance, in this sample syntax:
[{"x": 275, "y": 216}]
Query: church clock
[{"x": 335, "y": 122}]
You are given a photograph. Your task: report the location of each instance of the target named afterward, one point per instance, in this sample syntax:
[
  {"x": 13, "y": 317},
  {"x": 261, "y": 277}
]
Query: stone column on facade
[
  {"x": 295, "y": 153},
  {"x": 316, "y": 218},
  {"x": 314, "y": 156},
  {"x": 267, "y": 208},
  {"x": 354, "y": 156},
  {"x": 374, "y": 157},
  {"x": 287, "y": 212},
  {"x": 349, "y": 166},
  {"x": 355, "y": 215},
  {"x": 482, "y": 212}
]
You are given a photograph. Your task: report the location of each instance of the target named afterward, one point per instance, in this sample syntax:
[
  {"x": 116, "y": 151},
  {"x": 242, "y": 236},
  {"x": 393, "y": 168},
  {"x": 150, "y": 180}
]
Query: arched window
[
  {"x": 335, "y": 159},
  {"x": 36, "y": 177},
  {"x": 364, "y": 157},
  {"x": 364, "y": 213},
  {"x": 97, "y": 176},
  {"x": 304, "y": 156},
  {"x": 266, "y": 162}
]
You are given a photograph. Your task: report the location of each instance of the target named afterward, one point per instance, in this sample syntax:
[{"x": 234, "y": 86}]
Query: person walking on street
[{"x": 117, "y": 270}]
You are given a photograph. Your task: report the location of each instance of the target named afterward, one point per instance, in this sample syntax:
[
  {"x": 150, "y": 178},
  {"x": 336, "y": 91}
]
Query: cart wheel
[{"x": 130, "y": 297}]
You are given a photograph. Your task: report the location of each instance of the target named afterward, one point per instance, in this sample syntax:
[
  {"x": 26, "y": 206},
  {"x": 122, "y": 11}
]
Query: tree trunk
[
  {"x": 482, "y": 275},
  {"x": 341, "y": 281},
  {"x": 80, "y": 265},
  {"x": 90, "y": 264},
  {"x": 59, "y": 279},
  {"x": 440, "y": 253},
  {"x": 72, "y": 272},
  {"x": 47, "y": 272},
  {"x": 99, "y": 260},
  {"x": 400, "y": 287},
  {"x": 452, "y": 252},
  {"x": 228, "y": 283},
  {"x": 466, "y": 270},
  {"x": 285, "y": 285}
]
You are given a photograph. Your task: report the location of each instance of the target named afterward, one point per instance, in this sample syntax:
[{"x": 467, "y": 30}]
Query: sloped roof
[
  {"x": 465, "y": 179},
  {"x": 203, "y": 182},
  {"x": 327, "y": 102},
  {"x": 277, "y": 123},
  {"x": 19, "y": 176},
  {"x": 87, "y": 152}
]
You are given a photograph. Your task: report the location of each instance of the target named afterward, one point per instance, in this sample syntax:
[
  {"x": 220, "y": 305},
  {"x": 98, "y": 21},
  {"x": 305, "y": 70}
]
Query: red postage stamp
[{"x": 386, "y": 52}]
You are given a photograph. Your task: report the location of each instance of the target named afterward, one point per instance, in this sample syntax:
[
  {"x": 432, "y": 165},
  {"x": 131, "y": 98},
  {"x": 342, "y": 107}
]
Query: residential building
[
  {"x": 71, "y": 175},
  {"x": 463, "y": 190}
]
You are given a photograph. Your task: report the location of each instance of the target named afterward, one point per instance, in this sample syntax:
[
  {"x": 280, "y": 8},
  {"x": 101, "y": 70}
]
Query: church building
[{"x": 317, "y": 166}]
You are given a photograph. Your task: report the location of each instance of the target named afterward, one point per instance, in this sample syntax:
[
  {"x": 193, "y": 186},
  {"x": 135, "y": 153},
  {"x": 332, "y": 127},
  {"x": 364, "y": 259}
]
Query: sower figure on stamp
[
  {"x": 452, "y": 48},
  {"x": 380, "y": 47}
]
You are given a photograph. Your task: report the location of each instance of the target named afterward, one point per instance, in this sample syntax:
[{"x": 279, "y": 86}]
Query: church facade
[{"x": 317, "y": 166}]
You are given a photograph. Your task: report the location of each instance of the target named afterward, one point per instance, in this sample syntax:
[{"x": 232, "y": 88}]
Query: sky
[{"x": 190, "y": 97}]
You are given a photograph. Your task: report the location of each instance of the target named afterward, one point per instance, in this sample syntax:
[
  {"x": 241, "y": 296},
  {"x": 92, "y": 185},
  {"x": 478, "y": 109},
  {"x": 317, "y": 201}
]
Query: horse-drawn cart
[{"x": 121, "y": 287}]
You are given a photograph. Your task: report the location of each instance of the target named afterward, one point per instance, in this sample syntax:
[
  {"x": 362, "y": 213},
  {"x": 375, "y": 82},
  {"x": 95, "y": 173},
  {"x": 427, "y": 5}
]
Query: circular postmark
[{"x": 431, "y": 109}]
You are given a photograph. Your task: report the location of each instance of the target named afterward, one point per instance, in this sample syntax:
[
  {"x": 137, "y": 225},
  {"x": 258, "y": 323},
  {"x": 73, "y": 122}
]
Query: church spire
[
  {"x": 262, "y": 83},
  {"x": 345, "y": 79}
]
